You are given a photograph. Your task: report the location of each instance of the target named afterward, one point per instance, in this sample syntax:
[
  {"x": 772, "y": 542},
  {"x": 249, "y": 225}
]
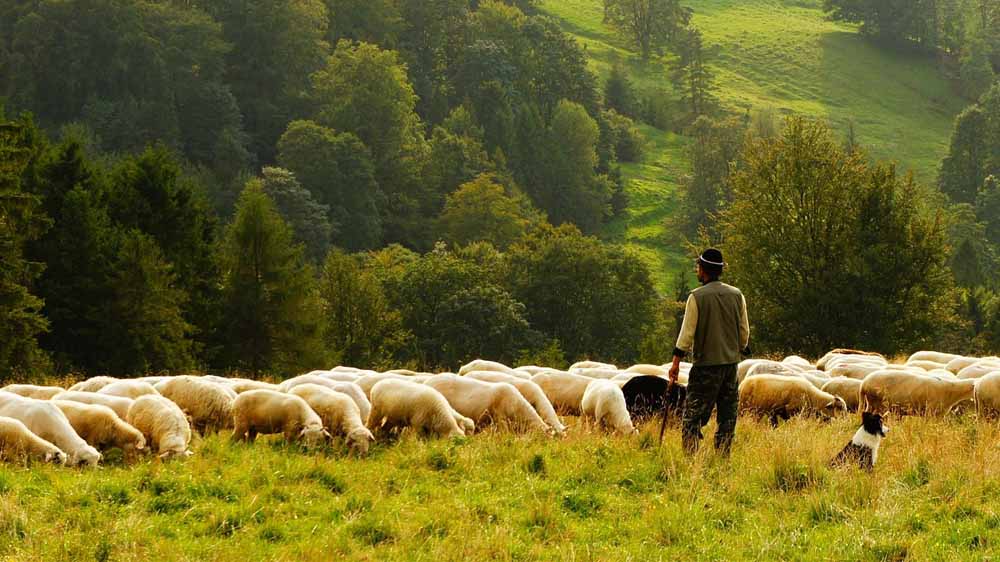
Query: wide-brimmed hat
[{"x": 712, "y": 258}]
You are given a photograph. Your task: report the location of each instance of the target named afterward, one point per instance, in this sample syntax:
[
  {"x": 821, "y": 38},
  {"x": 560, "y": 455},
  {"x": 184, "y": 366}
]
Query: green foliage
[
  {"x": 145, "y": 315},
  {"x": 597, "y": 301},
  {"x": 338, "y": 170},
  {"x": 628, "y": 140},
  {"x": 649, "y": 25},
  {"x": 831, "y": 250},
  {"x": 307, "y": 218},
  {"x": 974, "y": 153},
  {"x": 619, "y": 92},
  {"x": 134, "y": 72},
  {"x": 691, "y": 75},
  {"x": 898, "y": 22},
  {"x": 272, "y": 307},
  {"x": 567, "y": 187},
  {"x": 453, "y": 160},
  {"x": 458, "y": 312},
  {"x": 22, "y": 220},
  {"x": 276, "y": 45},
  {"x": 364, "y": 90},
  {"x": 714, "y": 151},
  {"x": 361, "y": 328},
  {"x": 976, "y": 69},
  {"x": 482, "y": 210}
]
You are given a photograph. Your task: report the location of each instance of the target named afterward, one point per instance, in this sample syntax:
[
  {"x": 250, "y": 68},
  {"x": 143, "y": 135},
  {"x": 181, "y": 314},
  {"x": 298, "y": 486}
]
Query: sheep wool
[
  {"x": 163, "y": 424},
  {"x": 481, "y": 401},
  {"x": 101, "y": 427},
  {"x": 398, "y": 404},
  {"x": 339, "y": 413},
  {"x": 604, "y": 402},
  {"x": 269, "y": 411},
  {"x": 210, "y": 405},
  {"x": 17, "y": 441}
]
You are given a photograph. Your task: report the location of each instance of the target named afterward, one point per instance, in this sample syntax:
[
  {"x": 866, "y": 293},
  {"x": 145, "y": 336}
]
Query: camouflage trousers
[{"x": 710, "y": 387}]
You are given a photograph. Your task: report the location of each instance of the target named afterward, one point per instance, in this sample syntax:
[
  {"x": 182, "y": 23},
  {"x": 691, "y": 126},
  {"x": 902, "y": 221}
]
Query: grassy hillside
[
  {"x": 934, "y": 495},
  {"x": 780, "y": 54}
]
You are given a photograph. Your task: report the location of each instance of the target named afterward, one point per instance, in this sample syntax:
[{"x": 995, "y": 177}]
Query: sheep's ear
[{"x": 188, "y": 453}]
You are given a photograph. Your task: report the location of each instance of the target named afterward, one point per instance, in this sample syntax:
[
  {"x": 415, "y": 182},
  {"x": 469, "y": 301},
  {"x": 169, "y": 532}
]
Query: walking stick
[{"x": 666, "y": 407}]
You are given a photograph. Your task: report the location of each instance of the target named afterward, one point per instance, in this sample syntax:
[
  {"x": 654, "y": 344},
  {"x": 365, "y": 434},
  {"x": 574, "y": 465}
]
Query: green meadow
[{"x": 778, "y": 55}]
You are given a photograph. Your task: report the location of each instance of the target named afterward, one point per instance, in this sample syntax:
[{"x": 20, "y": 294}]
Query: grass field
[
  {"x": 778, "y": 54},
  {"x": 935, "y": 495}
]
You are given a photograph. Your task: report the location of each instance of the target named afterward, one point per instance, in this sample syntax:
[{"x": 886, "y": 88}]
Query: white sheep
[
  {"x": 101, "y": 427},
  {"x": 846, "y": 388},
  {"x": 399, "y": 403},
  {"x": 597, "y": 373},
  {"x": 119, "y": 404},
  {"x": 246, "y": 385},
  {"x": 355, "y": 393},
  {"x": 531, "y": 392},
  {"x": 987, "y": 395},
  {"x": 604, "y": 402},
  {"x": 650, "y": 370},
  {"x": 16, "y": 441},
  {"x": 128, "y": 388},
  {"x": 979, "y": 369},
  {"x": 209, "y": 405},
  {"x": 935, "y": 356},
  {"x": 163, "y": 424},
  {"x": 93, "y": 384},
  {"x": 339, "y": 413},
  {"x": 591, "y": 365},
  {"x": 925, "y": 365},
  {"x": 781, "y": 397},
  {"x": 33, "y": 391},
  {"x": 854, "y": 371},
  {"x": 267, "y": 411},
  {"x": 767, "y": 367},
  {"x": 46, "y": 420},
  {"x": 847, "y": 356},
  {"x": 564, "y": 390},
  {"x": 799, "y": 362},
  {"x": 530, "y": 370},
  {"x": 480, "y": 401},
  {"x": 370, "y": 380},
  {"x": 484, "y": 365},
  {"x": 959, "y": 363},
  {"x": 911, "y": 393}
]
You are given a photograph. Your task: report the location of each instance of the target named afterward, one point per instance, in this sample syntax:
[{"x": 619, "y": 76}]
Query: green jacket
[{"x": 715, "y": 329}]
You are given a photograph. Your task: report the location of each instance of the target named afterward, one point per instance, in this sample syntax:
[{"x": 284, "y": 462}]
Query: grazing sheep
[
  {"x": 925, "y": 365},
  {"x": 564, "y": 390},
  {"x": 531, "y": 392},
  {"x": 339, "y": 413},
  {"x": 17, "y": 441},
  {"x": 155, "y": 380},
  {"x": 480, "y": 400},
  {"x": 987, "y": 395},
  {"x": 93, "y": 384},
  {"x": 404, "y": 372},
  {"x": 592, "y": 365},
  {"x": 484, "y": 365},
  {"x": 119, "y": 404},
  {"x": 163, "y": 424},
  {"x": 128, "y": 389},
  {"x": 355, "y": 393},
  {"x": 368, "y": 381},
  {"x": 854, "y": 371},
  {"x": 604, "y": 402},
  {"x": 101, "y": 427},
  {"x": 33, "y": 391},
  {"x": 268, "y": 411},
  {"x": 242, "y": 386},
  {"x": 959, "y": 363},
  {"x": 597, "y": 373},
  {"x": 398, "y": 403},
  {"x": 911, "y": 393},
  {"x": 651, "y": 370},
  {"x": 743, "y": 368},
  {"x": 796, "y": 361},
  {"x": 935, "y": 356},
  {"x": 815, "y": 378},
  {"x": 781, "y": 397},
  {"x": 530, "y": 370},
  {"x": 46, "y": 420},
  {"x": 308, "y": 378},
  {"x": 767, "y": 367},
  {"x": 209, "y": 405},
  {"x": 848, "y": 355},
  {"x": 846, "y": 388},
  {"x": 979, "y": 369}
]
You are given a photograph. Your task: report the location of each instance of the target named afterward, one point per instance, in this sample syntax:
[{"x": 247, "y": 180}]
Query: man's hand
[{"x": 675, "y": 370}]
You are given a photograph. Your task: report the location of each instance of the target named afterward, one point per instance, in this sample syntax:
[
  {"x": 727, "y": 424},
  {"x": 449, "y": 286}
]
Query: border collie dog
[{"x": 863, "y": 448}]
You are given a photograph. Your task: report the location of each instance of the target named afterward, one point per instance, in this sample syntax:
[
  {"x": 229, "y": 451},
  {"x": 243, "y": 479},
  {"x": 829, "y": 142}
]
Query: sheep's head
[
  {"x": 56, "y": 457},
  {"x": 86, "y": 457},
  {"x": 313, "y": 436},
  {"x": 360, "y": 440},
  {"x": 174, "y": 454}
]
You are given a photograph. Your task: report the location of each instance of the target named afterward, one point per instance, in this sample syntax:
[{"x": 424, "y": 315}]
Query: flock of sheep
[{"x": 158, "y": 414}]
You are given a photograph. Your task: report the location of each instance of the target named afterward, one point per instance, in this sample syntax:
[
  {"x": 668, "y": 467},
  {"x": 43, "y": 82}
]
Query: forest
[{"x": 272, "y": 186}]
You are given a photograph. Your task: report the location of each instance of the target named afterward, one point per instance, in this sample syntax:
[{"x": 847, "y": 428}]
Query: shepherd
[{"x": 715, "y": 332}]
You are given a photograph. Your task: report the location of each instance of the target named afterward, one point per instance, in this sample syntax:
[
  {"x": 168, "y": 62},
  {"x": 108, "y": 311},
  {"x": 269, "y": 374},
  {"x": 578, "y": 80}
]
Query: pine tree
[
  {"x": 271, "y": 303},
  {"x": 308, "y": 219},
  {"x": 692, "y": 76},
  {"x": 21, "y": 220}
]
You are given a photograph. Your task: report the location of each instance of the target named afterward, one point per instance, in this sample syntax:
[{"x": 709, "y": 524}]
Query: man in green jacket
[{"x": 715, "y": 332}]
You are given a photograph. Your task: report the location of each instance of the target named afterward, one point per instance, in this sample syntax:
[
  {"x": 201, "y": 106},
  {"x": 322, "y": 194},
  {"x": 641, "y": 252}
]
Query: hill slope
[{"x": 782, "y": 54}]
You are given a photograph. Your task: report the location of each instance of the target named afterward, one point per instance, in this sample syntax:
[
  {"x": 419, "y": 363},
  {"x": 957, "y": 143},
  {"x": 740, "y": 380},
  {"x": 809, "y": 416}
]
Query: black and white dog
[{"x": 863, "y": 448}]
